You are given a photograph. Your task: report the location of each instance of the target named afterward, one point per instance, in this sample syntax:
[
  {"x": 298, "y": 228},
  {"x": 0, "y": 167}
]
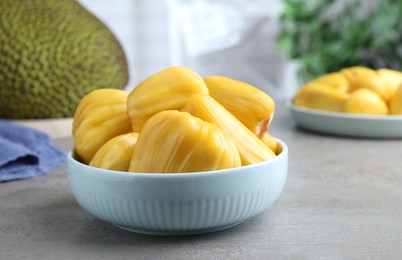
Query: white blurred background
[{"x": 233, "y": 38}]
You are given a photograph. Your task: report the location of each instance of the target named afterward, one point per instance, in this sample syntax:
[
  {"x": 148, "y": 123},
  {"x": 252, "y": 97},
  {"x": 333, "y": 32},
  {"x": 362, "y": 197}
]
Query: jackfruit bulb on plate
[
  {"x": 396, "y": 102},
  {"x": 391, "y": 78},
  {"x": 322, "y": 97},
  {"x": 361, "y": 77},
  {"x": 366, "y": 101},
  {"x": 52, "y": 53},
  {"x": 334, "y": 80},
  {"x": 356, "y": 90}
]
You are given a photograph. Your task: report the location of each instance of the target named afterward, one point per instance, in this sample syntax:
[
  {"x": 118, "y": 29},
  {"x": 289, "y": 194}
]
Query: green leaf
[{"x": 353, "y": 36}]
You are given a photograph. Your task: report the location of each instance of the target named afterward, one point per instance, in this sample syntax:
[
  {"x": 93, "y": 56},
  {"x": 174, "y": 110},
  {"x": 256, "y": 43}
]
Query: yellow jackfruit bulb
[
  {"x": 334, "y": 79},
  {"x": 321, "y": 97},
  {"x": 97, "y": 101},
  {"x": 116, "y": 153},
  {"x": 251, "y": 149},
  {"x": 100, "y": 116},
  {"x": 395, "y": 105},
  {"x": 251, "y": 106},
  {"x": 361, "y": 77},
  {"x": 272, "y": 143},
  {"x": 366, "y": 101},
  {"x": 176, "y": 142},
  {"x": 391, "y": 78},
  {"x": 168, "y": 89}
]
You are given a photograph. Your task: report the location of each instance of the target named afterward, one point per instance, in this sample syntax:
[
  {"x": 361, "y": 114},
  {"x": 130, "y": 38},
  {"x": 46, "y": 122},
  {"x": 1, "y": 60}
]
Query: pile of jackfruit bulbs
[
  {"x": 355, "y": 90},
  {"x": 175, "y": 122}
]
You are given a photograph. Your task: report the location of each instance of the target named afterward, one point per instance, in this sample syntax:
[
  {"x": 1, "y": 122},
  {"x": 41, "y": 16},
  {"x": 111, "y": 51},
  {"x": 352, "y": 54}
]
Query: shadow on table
[
  {"x": 103, "y": 234},
  {"x": 67, "y": 220}
]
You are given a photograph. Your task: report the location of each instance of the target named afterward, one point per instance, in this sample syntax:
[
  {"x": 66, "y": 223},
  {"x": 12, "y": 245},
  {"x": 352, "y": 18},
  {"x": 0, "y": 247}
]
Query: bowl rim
[{"x": 71, "y": 161}]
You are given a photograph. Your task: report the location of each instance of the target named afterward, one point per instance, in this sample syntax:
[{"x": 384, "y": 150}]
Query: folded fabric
[{"x": 26, "y": 153}]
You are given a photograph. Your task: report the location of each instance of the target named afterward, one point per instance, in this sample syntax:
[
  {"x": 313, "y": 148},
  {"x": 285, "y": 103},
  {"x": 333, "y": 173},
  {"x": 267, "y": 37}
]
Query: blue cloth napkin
[{"x": 26, "y": 153}]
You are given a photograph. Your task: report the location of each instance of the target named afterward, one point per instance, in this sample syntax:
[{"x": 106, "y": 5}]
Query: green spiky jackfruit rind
[{"x": 52, "y": 53}]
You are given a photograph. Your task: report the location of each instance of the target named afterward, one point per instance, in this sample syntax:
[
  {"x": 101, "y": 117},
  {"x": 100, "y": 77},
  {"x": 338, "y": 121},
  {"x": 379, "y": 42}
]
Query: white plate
[{"x": 389, "y": 126}]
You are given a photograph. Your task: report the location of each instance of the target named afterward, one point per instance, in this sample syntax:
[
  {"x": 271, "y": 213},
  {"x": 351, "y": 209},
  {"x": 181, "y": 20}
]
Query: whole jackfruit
[{"x": 52, "y": 53}]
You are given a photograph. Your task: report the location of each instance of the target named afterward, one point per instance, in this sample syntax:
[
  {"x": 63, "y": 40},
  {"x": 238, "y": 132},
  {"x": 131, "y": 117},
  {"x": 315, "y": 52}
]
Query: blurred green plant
[{"x": 327, "y": 35}]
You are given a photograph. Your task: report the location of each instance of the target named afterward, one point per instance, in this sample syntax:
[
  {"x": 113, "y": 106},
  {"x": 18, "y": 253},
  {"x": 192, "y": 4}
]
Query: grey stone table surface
[{"x": 342, "y": 200}]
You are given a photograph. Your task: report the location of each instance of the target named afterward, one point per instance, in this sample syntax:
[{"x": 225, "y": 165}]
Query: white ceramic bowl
[{"x": 180, "y": 203}]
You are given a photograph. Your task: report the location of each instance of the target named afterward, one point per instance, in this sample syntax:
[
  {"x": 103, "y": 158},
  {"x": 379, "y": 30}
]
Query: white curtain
[{"x": 233, "y": 38}]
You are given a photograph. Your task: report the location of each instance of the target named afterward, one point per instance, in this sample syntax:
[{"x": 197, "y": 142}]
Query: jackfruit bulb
[
  {"x": 52, "y": 53},
  {"x": 357, "y": 90}
]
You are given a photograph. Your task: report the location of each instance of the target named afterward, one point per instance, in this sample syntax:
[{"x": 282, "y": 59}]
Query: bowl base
[{"x": 179, "y": 232}]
